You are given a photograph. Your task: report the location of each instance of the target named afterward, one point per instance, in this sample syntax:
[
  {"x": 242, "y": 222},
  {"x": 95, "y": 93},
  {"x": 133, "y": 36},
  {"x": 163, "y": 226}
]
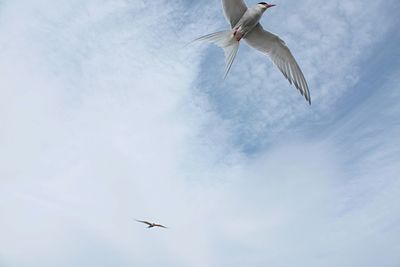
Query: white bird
[
  {"x": 151, "y": 225},
  {"x": 245, "y": 25}
]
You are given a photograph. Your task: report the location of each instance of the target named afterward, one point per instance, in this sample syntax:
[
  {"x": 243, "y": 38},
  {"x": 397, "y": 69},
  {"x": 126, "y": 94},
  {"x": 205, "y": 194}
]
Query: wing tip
[{"x": 307, "y": 96}]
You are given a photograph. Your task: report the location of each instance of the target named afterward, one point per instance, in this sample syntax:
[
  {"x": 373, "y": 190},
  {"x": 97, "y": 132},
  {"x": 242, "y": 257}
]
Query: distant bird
[
  {"x": 245, "y": 25},
  {"x": 151, "y": 225}
]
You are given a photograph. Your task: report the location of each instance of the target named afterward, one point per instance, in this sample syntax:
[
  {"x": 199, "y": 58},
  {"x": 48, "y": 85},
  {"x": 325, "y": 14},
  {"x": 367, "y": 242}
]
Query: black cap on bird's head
[{"x": 265, "y": 5}]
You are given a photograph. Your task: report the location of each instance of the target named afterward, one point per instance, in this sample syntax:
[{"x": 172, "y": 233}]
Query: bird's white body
[
  {"x": 245, "y": 25},
  {"x": 248, "y": 21}
]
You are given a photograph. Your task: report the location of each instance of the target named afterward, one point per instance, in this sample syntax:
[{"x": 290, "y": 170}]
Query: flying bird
[
  {"x": 151, "y": 225},
  {"x": 245, "y": 25}
]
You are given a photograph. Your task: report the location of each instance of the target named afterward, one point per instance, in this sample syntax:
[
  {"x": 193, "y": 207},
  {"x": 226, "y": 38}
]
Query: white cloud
[
  {"x": 93, "y": 134},
  {"x": 100, "y": 126}
]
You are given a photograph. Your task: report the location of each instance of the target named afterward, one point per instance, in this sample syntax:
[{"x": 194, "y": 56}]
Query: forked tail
[{"x": 226, "y": 41}]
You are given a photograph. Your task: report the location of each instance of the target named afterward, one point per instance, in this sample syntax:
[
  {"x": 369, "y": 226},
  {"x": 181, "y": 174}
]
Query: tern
[
  {"x": 151, "y": 225},
  {"x": 245, "y": 25}
]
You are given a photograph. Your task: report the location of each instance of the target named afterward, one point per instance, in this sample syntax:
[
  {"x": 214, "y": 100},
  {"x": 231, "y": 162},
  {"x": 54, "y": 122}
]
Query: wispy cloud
[
  {"x": 329, "y": 40},
  {"x": 107, "y": 117}
]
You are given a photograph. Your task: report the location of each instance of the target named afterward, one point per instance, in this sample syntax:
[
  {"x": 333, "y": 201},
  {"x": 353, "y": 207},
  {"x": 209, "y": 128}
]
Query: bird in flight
[
  {"x": 245, "y": 25},
  {"x": 151, "y": 225}
]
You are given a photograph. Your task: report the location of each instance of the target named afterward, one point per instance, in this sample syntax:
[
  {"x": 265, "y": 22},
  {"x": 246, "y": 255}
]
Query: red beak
[{"x": 268, "y": 5}]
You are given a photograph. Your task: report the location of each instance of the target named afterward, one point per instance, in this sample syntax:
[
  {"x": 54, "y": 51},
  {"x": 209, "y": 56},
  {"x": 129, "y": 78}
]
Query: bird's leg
[
  {"x": 239, "y": 37},
  {"x": 237, "y": 34},
  {"x": 235, "y": 31}
]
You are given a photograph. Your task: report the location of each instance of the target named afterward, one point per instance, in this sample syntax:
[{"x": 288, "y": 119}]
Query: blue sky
[{"x": 108, "y": 116}]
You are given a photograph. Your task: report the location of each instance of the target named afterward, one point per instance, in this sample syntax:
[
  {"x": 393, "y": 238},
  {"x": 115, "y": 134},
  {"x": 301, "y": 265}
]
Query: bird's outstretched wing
[
  {"x": 234, "y": 10},
  {"x": 145, "y": 222},
  {"x": 160, "y": 225},
  {"x": 271, "y": 45}
]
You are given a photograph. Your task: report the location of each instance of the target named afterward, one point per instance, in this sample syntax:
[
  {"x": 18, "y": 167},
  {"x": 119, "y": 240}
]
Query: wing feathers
[
  {"x": 160, "y": 225},
  {"x": 234, "y": 10},
  {"x": 271, "y": 45}
]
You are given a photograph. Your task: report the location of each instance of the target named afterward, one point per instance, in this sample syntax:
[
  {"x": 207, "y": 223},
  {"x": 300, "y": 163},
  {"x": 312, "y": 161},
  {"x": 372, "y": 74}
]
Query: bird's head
[{"x": 264, "y": 6}]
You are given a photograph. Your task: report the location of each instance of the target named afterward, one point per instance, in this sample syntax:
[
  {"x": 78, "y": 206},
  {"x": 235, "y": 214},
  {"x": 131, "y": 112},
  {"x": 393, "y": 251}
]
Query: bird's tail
[{"x": 226, "y": 41}]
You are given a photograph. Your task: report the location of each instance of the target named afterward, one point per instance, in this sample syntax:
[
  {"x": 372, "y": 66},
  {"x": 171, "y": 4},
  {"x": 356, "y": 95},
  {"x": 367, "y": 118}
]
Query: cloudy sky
[{"x": 108, "y": 116}]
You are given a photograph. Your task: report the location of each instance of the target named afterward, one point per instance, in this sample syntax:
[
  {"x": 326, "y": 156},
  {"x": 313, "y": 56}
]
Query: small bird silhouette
[{"x": 151, "y": 225}]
